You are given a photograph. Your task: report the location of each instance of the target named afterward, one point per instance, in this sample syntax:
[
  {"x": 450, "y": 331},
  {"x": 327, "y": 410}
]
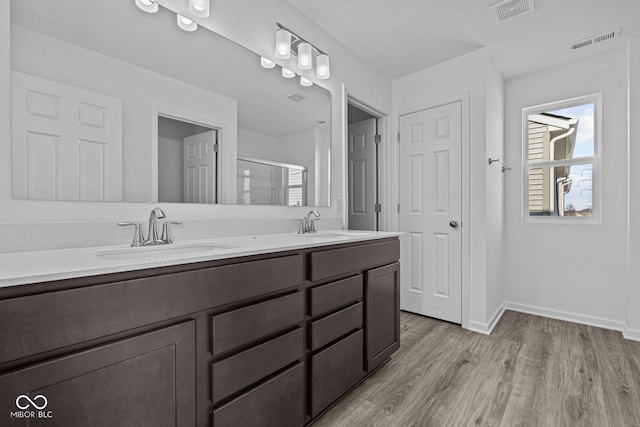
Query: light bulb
[
  {"x": 287, "y": 73},
  {"x": 186, "y": 23},
  {"x": 323, "y": 70},
  {"x": 304, "y": 56},
  {"x": 305, "y": 82},
  {"x": 148, "y": 6},
  {"x": 283, "y": 44},
  {"x": 199, "y": 8},
  {"x": 266, "y": 62}
]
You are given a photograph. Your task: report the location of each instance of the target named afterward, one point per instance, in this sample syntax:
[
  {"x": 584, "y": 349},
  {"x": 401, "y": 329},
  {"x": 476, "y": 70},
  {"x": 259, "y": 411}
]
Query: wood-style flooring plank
[
  {"x": 531, "y": 371},
  {"x": 484, "y": 399}
]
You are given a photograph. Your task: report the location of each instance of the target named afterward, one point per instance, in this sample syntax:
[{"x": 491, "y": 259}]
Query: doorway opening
[
  {"x": 187, "y": 162},
  {"x": 363, "y": 154}
]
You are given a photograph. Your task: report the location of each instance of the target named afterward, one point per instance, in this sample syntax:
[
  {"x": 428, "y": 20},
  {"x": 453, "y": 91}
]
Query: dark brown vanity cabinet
[
  {"x": 148, "y": 379},
  {"x": 257, "y": 370},
  {"x": 335, "y": 340},
  {"x": 383, "y": 314},
  {"x": 265, "y": 340},
  {"x": 354, "y": 316}
]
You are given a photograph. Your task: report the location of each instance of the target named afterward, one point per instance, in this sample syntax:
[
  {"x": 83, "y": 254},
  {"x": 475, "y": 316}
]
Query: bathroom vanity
[{"x": 269, "y": 335}]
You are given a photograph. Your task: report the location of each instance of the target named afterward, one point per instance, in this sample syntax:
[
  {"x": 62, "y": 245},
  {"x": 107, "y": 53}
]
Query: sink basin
[{"x": 158, "y": 253}]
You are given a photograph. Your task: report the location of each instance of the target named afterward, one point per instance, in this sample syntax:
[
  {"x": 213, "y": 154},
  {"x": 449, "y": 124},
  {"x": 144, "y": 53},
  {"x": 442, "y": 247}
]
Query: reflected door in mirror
[{"x": 67, "y": 142}]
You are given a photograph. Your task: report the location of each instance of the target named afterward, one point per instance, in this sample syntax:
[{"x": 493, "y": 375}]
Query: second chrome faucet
[
  {"x": 307, "y": 224},
  {"x": 152, "y": 238}
]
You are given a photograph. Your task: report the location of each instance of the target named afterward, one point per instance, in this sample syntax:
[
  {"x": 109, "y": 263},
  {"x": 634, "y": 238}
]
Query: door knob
[{"x": 453, "y": 224}]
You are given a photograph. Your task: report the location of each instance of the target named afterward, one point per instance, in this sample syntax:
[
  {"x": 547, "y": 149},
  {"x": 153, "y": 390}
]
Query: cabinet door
[
  {"x": 147, "y": 380},
  {"x": 382, "y": 327},
  {"x": 334, "y": 371}
]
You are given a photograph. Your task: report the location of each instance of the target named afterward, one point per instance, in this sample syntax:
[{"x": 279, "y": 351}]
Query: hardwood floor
[{"x": 531, "y": 371}]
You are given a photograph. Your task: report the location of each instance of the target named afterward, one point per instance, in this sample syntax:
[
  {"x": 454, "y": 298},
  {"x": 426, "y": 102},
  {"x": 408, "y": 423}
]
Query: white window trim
[{"x": 595, "y": 160}]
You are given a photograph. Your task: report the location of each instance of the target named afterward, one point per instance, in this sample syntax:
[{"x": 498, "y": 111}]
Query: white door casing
[
  {"x": 199, "y": 167},
  {"x": 431, "y": 211},
  {"x": 66, "y": 142},
  {"x": 362, "y": 175}
]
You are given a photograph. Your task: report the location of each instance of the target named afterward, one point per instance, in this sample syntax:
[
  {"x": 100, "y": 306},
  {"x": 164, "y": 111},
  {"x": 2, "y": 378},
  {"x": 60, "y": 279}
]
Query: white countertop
[{"x": 23, "y": 268}]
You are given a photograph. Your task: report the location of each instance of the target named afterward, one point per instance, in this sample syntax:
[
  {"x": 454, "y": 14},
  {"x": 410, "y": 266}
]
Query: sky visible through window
[{"x": 580, "y": 196}]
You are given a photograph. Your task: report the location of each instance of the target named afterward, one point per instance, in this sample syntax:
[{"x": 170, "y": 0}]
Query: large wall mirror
[{"x": 113, "y": 104}]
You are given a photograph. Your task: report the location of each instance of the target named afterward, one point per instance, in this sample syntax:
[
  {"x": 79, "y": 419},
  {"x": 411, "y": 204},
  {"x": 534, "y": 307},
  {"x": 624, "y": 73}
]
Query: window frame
[{"x": 595, "y": 161}]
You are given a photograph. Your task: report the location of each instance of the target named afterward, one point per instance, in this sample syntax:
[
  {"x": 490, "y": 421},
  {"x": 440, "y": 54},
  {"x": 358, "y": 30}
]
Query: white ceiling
[{"x": 403, "y": 36}]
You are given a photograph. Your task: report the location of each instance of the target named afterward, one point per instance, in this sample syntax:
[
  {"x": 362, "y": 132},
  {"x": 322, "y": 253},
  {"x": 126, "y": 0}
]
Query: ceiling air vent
[
  {"x": 295, "y": 97},
  {"x": 595, "y": 39},
  {"x": 509, "y": 9}
]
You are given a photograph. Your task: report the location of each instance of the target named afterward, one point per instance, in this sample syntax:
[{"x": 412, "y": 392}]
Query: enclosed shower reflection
[{"x": 262, "y": 182}]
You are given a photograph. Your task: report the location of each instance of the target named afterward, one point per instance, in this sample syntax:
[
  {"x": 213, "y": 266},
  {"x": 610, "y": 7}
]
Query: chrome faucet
[
  {"x": 152, "y": 238},
  {"x": 307, "y": 224},
  {"x": 152, "y": 235}
]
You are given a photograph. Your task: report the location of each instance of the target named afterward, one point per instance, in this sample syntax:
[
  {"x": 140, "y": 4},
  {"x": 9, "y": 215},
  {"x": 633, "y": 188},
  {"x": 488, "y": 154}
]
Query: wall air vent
[
  {"x": 295, "y": 97},
  {"x": 506, "y": 10},
  {"x": 595, "y": 39}
]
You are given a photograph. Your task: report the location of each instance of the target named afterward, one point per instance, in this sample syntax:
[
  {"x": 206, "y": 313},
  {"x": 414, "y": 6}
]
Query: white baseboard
[
  {"x": 631, "y": 334},
  {"x": 487, "y": 328},
  {"x": 599, "y": 322}
]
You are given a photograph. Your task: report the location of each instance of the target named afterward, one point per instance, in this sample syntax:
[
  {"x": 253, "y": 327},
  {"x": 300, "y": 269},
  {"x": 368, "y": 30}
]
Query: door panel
[
  {"x": 68, "y": 139},
  {"x": 362, "y": 175},
  {"x": 200, "y": 168},
  {"x": 430, "y": 198}
]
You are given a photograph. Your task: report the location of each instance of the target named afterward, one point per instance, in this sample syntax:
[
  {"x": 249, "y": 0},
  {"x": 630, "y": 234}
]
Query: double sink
[{"x": 177, "y": 250}]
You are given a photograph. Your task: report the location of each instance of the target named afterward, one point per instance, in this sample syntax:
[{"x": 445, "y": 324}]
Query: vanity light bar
[
  {"x": 198, "y": 8},
  {"x": 186, "y": 23},
  {"x": 288, "y": 42},
  {"x": 148, "y": 6},
  {"x": 267, "y": 63},
  {"x": 287, "y": 73}
]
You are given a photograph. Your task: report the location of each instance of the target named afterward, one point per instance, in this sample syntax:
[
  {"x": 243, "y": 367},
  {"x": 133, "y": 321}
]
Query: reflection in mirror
[
  {"x": 128, "y": 76},
  {"x": 268, "y": 183},
  {"x": 187, "y": 159}
]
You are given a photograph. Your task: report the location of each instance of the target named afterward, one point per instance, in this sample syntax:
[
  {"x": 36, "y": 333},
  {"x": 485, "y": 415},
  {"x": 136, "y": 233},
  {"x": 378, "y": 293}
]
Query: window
[
  {"x": 561, "y": 160},
  {"x": 296, "y": 181}
]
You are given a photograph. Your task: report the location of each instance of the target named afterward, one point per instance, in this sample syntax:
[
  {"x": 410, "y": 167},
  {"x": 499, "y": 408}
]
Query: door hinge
[
  {"x": 378, "y": 139},
  {"x": 215, "y": 148},
  {"x": 398, "y": 137},
  {"x": 378, "y": 208},
  {"x": 398, "y": 207}
]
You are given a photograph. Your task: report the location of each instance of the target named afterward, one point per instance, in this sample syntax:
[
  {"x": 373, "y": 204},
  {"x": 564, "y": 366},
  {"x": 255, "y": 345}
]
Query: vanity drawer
[
  {"x": 277, "y": 402},
  {"x": 335, "y": 325},
  {"x": 243, "y": 369},
  {"x": 335, "y": 370},
  {"x": 339, "y": 261},
  {"x": 239, "y": 327},
  {"x": 335, "y": 295},
  {"x": 39, "y": 323}
]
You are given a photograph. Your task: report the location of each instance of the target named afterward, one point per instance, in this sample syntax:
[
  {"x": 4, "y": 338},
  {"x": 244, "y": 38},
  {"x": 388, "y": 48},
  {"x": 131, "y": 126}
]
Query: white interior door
[
  {"x": 200, "y": 167},
  {"x": 66, "y": 142},
  {"x": 362, "y": 175},
  {"x": 430, "y": 212}
]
